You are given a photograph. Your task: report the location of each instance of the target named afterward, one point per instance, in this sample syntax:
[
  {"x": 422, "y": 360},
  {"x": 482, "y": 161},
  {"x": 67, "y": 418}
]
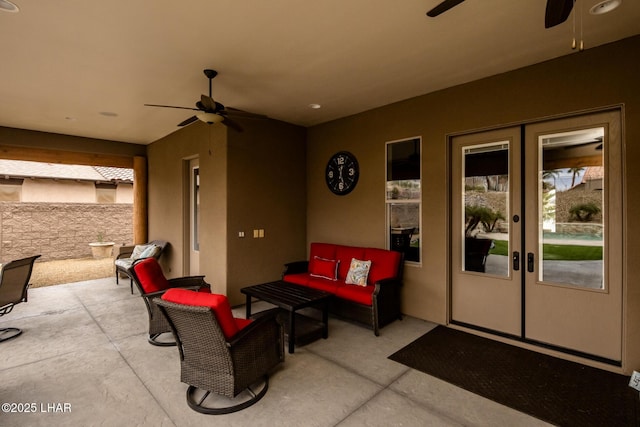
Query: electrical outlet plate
[{"x": 634, "y": 382}]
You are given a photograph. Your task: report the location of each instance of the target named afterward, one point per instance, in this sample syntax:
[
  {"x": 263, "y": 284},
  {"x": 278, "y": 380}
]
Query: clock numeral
[
  {"x": 340, "y": 160},
  {"x": 330, "y": 175},
  {"x": 341, "y": 186},
  {"x": 352, "y": 171}
]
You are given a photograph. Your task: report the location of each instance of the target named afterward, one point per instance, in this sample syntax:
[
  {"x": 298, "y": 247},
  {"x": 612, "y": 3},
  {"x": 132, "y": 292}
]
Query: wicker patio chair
[
  {"x": 225, "y": 361},
  {"x": 151, "y": 283},
  {"x": 14, "y": 282},
  {"x": 130, "y": 254}
]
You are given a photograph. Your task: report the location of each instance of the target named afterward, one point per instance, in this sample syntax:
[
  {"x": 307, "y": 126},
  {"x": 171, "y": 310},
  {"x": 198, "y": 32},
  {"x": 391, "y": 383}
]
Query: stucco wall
[
  {"x": 573, "y": 83},
  {"x": 60, "y": 230},
  {"x": 254, "y": 179}
]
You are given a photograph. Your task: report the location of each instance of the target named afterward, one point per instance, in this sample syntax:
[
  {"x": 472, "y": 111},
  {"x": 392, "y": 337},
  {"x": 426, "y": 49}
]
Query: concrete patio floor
[{"x": 83, "y": 360}]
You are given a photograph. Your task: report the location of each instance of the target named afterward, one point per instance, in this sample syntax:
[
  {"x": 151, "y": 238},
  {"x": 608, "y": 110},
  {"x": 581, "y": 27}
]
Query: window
[
  {"x": 105, "y": 193},
  {"x": 404, "y": 197},
  {"x": 10, "y": 190}
]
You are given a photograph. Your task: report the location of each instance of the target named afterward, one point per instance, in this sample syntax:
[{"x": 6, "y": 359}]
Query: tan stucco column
[{"x": 140, "y": 226}]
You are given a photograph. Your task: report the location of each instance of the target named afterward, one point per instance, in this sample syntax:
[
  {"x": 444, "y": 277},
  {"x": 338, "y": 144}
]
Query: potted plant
[
  {"x": 476, "y": 249},
  {"x": 100, "y": 248}
]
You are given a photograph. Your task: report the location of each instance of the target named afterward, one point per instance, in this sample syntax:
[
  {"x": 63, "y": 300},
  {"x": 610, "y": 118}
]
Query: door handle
[
  {"x": 516, "y": 260},
  {"x": 530, "y": 262}
]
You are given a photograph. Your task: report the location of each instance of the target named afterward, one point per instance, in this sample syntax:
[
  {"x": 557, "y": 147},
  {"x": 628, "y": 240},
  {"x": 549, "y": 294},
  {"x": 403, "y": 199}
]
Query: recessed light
[
  {"x": 315, "y": 106},
  {"x": 7, "y": 6},
  {"x": 604, "y": 7},
  {"x": 108, "y": 114}
]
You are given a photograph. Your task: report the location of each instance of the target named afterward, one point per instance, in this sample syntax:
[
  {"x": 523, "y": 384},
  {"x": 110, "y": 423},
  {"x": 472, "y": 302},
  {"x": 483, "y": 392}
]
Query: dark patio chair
[
  {"x": 225, "y": 360},
  {"x": 151, "y": 283},
  {"x": 130, "y": 254},
  {"x": 14, "y": 281}
]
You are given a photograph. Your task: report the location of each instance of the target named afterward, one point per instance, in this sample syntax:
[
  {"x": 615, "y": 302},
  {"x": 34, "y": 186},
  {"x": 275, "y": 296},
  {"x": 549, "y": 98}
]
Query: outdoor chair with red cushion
[
  {"x": 151, "y": 282},
  {"x": 130, "y": 254},
  {"x": 224, "y": 360}
]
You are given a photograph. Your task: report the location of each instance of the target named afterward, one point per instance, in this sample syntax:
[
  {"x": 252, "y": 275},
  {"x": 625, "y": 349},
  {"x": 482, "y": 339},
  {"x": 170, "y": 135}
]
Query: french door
[{"x": 537, "y": 234}]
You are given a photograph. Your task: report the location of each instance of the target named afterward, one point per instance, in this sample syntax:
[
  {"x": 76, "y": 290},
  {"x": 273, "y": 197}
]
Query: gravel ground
[{"x": 70, "y": 270}]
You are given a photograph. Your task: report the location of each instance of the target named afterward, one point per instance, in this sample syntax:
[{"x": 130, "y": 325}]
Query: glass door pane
[
  {"x": 571, "y": 194},
  {"x": 486, "y": 208}
]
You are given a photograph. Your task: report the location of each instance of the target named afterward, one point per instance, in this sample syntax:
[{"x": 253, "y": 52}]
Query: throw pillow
[
  {"x": 151, "y": 252},
  {"x": 358, "y": 272},
  {"x": 138, "y": 250},
  {"x": 324, "y": 268}
]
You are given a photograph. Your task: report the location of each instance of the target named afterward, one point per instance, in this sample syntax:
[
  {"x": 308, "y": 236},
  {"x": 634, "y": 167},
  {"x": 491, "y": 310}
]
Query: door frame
[
  {"x": 187, "y": 199},
  {"x": 521, "y": 341}
]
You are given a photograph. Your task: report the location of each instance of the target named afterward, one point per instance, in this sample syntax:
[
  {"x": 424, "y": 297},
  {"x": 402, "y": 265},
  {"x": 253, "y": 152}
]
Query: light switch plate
[{"x": 634, "y": 382}]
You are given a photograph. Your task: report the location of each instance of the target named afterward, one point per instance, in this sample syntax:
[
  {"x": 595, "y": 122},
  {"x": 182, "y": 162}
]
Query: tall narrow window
[{"x": 404, "y": 197}]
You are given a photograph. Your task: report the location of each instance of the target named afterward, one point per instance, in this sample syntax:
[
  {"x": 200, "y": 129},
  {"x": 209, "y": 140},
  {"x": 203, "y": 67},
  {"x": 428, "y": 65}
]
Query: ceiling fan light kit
[
  {"x": 210, "y": 111},
  {"x": 210, "y": 118}
]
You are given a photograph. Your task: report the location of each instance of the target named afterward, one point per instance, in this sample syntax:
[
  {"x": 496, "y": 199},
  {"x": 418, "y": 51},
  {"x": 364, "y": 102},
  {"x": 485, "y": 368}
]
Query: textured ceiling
[{"x": 64, "y": 62}]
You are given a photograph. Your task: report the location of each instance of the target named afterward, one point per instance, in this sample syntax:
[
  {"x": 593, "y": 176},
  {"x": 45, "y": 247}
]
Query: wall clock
[{"x": 342, "y": 173}]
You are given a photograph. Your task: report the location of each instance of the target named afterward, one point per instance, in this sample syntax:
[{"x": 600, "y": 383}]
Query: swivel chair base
[
  {"x": 218, "y": 405},
  {"x": 9, "y": 333}
]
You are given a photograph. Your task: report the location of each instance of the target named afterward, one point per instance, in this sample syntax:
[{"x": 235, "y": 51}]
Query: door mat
[{"x": 551, "y": 389}]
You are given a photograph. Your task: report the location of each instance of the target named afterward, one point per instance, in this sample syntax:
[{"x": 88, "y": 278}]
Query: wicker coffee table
[{"x": 292, "y": 298}]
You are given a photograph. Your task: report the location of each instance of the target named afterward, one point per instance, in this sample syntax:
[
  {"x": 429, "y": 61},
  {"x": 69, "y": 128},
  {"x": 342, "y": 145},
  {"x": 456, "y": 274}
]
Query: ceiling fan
[
  {"x": 556, "y": 13},
  {"x": 211, "y": 111}
]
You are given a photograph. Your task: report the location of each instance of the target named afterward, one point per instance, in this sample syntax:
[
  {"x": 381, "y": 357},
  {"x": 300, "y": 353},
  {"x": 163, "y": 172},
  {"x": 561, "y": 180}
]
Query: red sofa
[{"x": 374, "y": 303}]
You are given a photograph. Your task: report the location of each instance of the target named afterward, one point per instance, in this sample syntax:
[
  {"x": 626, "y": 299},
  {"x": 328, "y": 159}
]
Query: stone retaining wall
[{"x": 61, "y": 230}]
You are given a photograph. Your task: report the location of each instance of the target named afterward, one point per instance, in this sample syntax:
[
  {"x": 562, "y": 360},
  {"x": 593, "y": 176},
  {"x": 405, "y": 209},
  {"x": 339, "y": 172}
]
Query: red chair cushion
[
  {"x": 150, "y": 276},
  {"x": 219, "y": 304}
]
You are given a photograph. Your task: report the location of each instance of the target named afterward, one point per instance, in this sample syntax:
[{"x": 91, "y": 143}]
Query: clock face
[{"x": 342, "y": 173}]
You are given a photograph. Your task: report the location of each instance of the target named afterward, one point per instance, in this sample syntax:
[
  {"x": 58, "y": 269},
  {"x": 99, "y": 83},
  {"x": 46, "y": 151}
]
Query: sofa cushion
[
  {"x": 359, "y": 294},
  {"x": 384, "y": 264},
  {"x": 298, "y": 278},
  {"x": 323, "y": 284},
  {"x": 322, "y": 250},
  {"x": 324, "y": 268},
  {"x": 124, "y": 263},
  {"x": 219, "y": 304},
  {"x": 345, "y": 254},
  {"x": 150, "y": 276},
  {"x": 358, "y": 272}
]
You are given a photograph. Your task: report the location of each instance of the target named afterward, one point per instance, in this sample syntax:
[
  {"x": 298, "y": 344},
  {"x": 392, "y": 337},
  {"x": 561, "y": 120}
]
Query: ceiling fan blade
[
  {"x": 188, "y": 121},
  {"x": 443, "y": 7},
  {"x": 232, "y": 124},
  {"x": 557, "y": 12},
  {"x": 170, "y": 106}
]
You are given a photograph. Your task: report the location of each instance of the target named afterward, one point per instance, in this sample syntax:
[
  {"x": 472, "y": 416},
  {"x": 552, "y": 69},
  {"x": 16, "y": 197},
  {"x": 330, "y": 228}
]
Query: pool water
[{"x": 563, "y": 236}]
